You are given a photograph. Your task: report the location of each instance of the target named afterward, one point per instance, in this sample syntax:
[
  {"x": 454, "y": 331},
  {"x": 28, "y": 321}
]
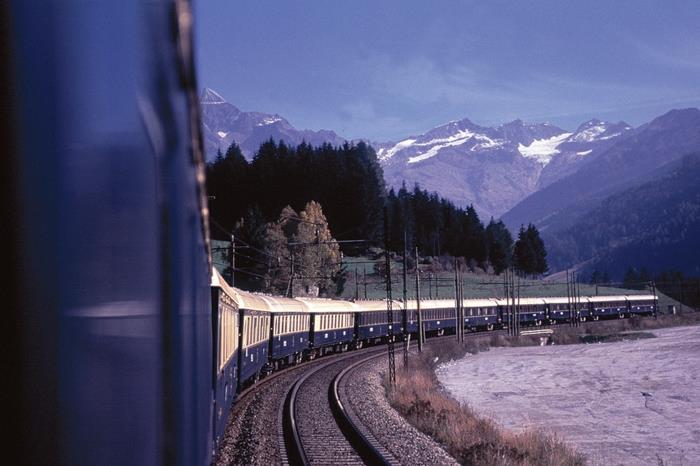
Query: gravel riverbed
[{"x": 633, "y": 402}]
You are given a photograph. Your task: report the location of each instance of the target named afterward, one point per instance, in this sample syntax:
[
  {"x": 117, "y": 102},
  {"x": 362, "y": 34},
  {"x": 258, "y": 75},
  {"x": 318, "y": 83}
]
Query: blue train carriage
[
  {"x": 332, "y": 325},
  {"x": 438, "y": 315},
  {"x": 642, "y": 305},
  {"x": 608, "y": 307},
  {"x": 531, "y": 311},
  {"x": 481, "y": 314},
  {"x": 224, "y": 350},
  {"x": 254, "y": 317},
  {"x": 558, "y": 309},
  {"x": 371, "y": 323},
  {"x": 289, "y": 337}
]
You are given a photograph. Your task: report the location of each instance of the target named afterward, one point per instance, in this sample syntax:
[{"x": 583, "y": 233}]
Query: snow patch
[
  {"x": 269, "y": 121},
  {"x": 487, "y": 143},
  {"x": 432, "y": 152},
  {"x": 585, "y": 152},
  {"x": 605, "y": 138},
  {"x": 542, "y": 150},
  {"x": 590, "y": 134},
  {"x": 385, "y": 154},
  {"x": 222, "y": 134}
]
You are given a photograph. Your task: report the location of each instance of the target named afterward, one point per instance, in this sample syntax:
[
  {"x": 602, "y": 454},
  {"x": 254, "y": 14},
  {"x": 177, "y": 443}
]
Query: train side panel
[{"x": 114, "y": 277}]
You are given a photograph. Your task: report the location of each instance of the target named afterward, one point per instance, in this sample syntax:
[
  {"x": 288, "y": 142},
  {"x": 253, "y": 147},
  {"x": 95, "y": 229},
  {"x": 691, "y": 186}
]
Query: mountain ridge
[{"x": 224, "y": 123}]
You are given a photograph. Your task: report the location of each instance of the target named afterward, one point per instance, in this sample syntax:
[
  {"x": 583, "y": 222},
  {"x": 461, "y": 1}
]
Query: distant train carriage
[
  {"x": 531, "y": 311},
  {"x": 642, "y": 304},
  {"x": 225, "y": 325},
  {"x": 332, "y": 325},
  {"x": 559, "y": 309},
  {"x": 289, "y": 331},
  {"x": 254, "y": 317},
  {"x": 438, "y": 315},
  {"x": 481, "y": 314},
  {"x": 371, "y": 325},
  {"x": 607, "y": 307}
]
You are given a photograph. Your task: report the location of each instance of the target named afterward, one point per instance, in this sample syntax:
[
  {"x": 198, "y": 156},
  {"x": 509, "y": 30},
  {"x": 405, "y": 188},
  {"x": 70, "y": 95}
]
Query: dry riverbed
[{"x": 592, "y": 395}]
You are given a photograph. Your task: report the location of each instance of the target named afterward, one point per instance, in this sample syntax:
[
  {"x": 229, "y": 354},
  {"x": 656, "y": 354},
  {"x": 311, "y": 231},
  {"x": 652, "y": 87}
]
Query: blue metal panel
[
  {"x": 367, "y": 332},
  {"x": 253, "y": 359},
  {"x": 113, "y": 236},
  {"x": 331, "y": 337},
  {"x": 226, "y": 383},
  {"x": 609, "y": 311},
  {"x": 284, "y": 345}
]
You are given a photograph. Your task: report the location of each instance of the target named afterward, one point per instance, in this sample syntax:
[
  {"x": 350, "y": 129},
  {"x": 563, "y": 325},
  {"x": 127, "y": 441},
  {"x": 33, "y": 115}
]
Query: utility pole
[
  {"x": 653, "y": 290},
  {"x": 517, "y": 318},
  {"x": 389, "y": 299},
  {"x": 457, "y": 320},
  {"x": 418, "y": 311},
  {"x": 233, "y": 260},
  {"x": 430, "y": 285},
  {"x": 290, "y": 292},
  {"x": 357, "y": 285},
  {"x": 404, "y": 314},
  {"x": 364, "y": 279},
  {"x": 578, "y": 294}
]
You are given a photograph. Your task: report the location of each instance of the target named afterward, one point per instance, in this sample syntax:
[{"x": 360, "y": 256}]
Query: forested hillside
[
  {"x": 348, "y": 184},
  {"x": 655, "y": 226}
]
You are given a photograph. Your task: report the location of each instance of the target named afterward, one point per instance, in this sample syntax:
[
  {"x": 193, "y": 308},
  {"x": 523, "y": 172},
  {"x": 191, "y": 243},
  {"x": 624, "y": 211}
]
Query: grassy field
[{"x": 437, "y": 281}]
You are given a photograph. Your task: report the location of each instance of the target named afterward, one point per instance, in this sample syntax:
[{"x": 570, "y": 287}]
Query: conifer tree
[{"x": 500, "y": 246}]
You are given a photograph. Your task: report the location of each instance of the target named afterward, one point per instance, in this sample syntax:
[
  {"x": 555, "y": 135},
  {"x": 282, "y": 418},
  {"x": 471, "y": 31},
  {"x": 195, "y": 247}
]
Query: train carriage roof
[
  {"x": 321, "y": 305},
  {"x": 642, "y": 297},
  {"x": 604, "y": 299},
  {"x": 470, "y": 303},
  {"x": 562, "y": 300},
  {"x": 521, "y": 301},
  {"x": 376, "y": 305},
  {"x": 431, "y": 304},
  {"x": 255, "y": 301}
]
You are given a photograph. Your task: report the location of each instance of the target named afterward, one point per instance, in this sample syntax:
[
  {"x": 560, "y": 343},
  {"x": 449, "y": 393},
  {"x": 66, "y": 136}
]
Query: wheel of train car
[
  {"x": 583, "y": 319},
  {"x": 489, "y": 327},
  {"x": 358, "y": 344}
]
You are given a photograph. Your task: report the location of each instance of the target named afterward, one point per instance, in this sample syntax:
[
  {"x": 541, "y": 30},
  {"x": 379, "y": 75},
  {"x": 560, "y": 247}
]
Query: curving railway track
[{"x": 318, "y": 426}]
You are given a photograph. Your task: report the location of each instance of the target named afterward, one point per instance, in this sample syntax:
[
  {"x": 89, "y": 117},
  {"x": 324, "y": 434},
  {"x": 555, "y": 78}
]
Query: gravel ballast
[{"x": 362, "y": 389}]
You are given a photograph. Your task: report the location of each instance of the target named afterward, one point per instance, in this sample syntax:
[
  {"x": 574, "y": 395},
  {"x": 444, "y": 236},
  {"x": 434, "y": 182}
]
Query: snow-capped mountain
[
  {"x": 493, "y": 168},
  {"x": 223, "y": 124}
]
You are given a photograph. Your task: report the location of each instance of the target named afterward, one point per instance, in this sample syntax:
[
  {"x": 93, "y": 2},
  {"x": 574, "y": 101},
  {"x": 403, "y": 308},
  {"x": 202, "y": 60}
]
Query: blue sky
[{"x": 383, "y": 70}]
